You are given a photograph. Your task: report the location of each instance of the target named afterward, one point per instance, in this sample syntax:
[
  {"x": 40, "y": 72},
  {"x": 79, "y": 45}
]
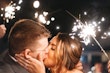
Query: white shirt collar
[{"x": 12, "y": 58}]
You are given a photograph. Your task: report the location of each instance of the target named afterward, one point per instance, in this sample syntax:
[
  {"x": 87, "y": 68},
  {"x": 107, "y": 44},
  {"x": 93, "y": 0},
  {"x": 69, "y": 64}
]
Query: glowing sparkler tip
[
  {"x": 103, "y": 19},
  {"x": 1, "y": 15},
  {"x": 9, "y": 11},
  {"x": 20, "y": 1},
  {"x": 48, "y": 22},
  {"x": 45, "y": 13},
  {"x": 57, "y": 27},
  {"x": 18, "y": 7},
  {"x": 36, "y": 4},
  {"x": 36, "y": 14},
  {"x": 42, "y": 18},
  {"x": 85, "y": 13},
  {"x": 52, "y": 18},
  {"x": 2, "y": 9}
]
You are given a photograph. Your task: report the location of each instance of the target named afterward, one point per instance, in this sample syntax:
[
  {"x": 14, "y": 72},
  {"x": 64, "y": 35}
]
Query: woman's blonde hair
[{"x": 68, "y": 52}]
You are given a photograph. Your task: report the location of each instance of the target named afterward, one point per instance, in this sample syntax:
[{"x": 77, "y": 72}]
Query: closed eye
[{"x": 52, "y": 49}]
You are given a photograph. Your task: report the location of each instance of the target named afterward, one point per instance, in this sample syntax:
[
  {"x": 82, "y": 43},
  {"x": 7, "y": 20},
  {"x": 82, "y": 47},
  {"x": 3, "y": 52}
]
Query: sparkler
[
  {"x": 42, "y": 17},
  {"x": 36, "y": 4},
  {"x": 87, "y": 30},
  {"x": 106, "y": 34},
  {"x": 9, "y": 11}
]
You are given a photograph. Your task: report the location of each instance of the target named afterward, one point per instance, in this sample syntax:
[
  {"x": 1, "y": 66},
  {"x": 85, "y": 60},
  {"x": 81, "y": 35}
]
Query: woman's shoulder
[{"x": 77, "y": 71}]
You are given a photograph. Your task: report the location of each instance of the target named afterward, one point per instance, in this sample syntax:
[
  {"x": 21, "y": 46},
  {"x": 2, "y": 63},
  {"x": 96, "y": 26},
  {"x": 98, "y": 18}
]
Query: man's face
[
  {"x": 50, "y": 61},
  {"x": 39, "y": 48}
]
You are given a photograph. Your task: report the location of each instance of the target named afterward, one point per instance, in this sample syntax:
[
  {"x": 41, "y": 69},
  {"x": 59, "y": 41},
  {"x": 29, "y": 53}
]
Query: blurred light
[
  {"x": 36, "y": 4},
  {"x": 42, "y": 18},
  {"x": 48, "y": 22},
  {"x": 18, "y": 7},
  {"x": 72, "y": 37},
  {"x": 99, "y": 22},
  {"x": 88, "y": 30},
  {"x": 74, "y": 28},
  {"x": 52, "y": 18},
  {"x": 2, "y": 9},
  {"x": 20, "y": 1},
  {"x": 74, "y": 23},
  {"x": 57, "y": 27},
  {"x": 36, "y": 14},
  {"x": 1, "y": 15},
  {"x": 83, "y": 49},
  {"x": 85, "y": 13},
  {"x": 45, "y": 13},
  {"x": 108, "y": 33},
  {"x": 77, "y": 20},
  {"x": 95, "y": 24},
  {"x": 105, "y": 33},
  {"x": 9, "y": 9},
  {"x": 103, "y": 19},
  {"x": 14, "y": 4},
  {"x": 99, "y": 29},
  {"x": 86, "y": 41},
  {"x": 92, "y": 44},
  {"x": 93, "y": 68},
  {"x": 90, "y": 72},
  {"x": 7, "y": 15},
  {"x": 7, "y": 20},
  {"x": 102, "y": 37}
]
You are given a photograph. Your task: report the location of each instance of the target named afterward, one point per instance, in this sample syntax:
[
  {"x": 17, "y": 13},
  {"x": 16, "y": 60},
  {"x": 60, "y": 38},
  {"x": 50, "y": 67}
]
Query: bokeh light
[{"x": 36, "y": 4}]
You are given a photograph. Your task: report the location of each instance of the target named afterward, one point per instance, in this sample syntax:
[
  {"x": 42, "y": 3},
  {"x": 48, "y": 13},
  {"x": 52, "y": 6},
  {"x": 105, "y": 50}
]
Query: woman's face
[{"x": 50, "y": 61}]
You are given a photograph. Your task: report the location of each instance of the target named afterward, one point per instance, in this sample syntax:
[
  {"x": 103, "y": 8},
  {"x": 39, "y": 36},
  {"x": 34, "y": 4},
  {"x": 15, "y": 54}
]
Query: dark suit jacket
[
  {"x": 47, "y": 70},
  {"x": 7, "y": 65}
]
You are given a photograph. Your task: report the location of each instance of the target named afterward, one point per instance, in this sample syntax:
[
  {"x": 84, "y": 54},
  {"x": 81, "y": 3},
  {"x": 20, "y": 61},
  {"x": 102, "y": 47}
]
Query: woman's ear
[{"x": 27, "y": 53}]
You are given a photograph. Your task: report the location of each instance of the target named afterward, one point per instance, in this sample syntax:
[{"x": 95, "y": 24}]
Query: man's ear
[{"x": 27, "y": 53}]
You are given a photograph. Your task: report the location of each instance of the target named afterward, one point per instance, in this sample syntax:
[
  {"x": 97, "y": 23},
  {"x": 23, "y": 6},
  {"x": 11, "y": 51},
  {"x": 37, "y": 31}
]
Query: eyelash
[{"x": 52, "y": 49}]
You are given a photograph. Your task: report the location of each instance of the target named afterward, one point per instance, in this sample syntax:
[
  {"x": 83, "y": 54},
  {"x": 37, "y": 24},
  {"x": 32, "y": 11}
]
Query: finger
[
  {"x": 40, "y": 57},
  {"x": 79, "y": 66},
  {"x": 33, "y": 60},
  {"x": 21, "y": 59},
  {"x": 28, "y": 60}
]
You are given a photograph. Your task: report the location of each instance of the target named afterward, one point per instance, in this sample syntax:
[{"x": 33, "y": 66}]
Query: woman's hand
[
  {"x": 79, "y": 66},
  {"x": 108, "y": 66},
  {"x": 31, "y": 64}
]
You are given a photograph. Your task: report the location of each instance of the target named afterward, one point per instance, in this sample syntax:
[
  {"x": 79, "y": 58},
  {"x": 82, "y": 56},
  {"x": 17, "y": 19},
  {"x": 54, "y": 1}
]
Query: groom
[{"x": 26, "y": 37}]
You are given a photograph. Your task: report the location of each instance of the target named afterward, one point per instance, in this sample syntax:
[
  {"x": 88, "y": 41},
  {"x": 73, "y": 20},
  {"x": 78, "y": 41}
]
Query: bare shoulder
[{"x": 77, "y": 71}]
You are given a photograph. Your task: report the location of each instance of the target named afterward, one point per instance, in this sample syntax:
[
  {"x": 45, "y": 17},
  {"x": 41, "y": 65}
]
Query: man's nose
[{"x": 46, "y": 50}]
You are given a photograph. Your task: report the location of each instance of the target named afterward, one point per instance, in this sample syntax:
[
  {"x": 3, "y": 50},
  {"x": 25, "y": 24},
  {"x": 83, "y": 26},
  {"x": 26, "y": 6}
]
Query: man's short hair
[{"x": 24, "y": 33}]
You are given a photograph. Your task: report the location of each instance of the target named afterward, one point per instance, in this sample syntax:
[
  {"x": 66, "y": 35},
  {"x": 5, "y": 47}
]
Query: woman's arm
[{"x": 2, "y": 30}]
